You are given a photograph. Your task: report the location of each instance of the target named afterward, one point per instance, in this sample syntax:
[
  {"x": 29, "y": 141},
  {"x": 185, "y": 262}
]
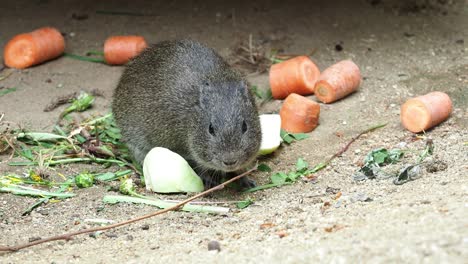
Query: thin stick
[
  {"x": 345, "y": 148},
  {"x": 68, "y": 236}
]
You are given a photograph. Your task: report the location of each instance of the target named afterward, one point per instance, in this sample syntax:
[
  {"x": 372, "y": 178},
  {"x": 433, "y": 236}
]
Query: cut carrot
[
  {"x": 423, "y": 112},
  {"x": 296, "y": 75},
  {"x": 299, "y": 114},
  {"x": 28, "y": 49},
  {"x": 337, "y": 81},
  {"x": 119, "y": 50}
]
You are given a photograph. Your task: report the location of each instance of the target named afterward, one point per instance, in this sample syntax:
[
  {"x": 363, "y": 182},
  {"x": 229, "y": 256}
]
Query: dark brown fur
[{"x": 183, "y": 96}]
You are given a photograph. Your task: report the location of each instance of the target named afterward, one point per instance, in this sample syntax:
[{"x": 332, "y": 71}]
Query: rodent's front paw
[
  {"x": 246, "y": 183},
  {"x": 211, "y": 181}
]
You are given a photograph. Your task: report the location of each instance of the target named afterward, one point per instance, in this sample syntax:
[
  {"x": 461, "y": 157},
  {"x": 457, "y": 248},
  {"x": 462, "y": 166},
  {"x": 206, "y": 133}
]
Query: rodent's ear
[
  {"x": 244, "y": 87},
  {"x": 204, "y": 95}
]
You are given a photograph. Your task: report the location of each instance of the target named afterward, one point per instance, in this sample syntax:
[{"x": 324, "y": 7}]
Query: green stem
[
  {"x": 162, "y": 204},
  {"x": 67, "y": 161},
  {"x": 266, "y": 186},
  {"x": 97, "y": 120},
  {"x": 63, "y": 188},
  {"x": 33, "y": 192}
]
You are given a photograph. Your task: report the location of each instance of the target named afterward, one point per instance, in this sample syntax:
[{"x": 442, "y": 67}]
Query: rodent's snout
[{"x": 230, "y": 162}]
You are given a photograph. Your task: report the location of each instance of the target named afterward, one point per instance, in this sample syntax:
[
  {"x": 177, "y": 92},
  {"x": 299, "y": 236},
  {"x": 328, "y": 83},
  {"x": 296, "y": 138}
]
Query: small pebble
[
  {"x": 145, "y": 227},
  {"x": 111, "y": 235},
  {"x": 214, "y": 245},
  {"x": 362, "y": 197},
  {"x": 60, "y": 85},
  {"x": 338, "y": 47},
  {"x": 32, "y": 239},
  {"x": 401, "y": 144},
  {"x": 43, "y": 212},
  {"x": 80, "y": 16}
]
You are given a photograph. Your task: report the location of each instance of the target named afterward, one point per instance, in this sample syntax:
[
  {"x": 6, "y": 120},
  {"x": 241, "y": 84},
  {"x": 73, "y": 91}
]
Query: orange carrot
[
  {"x": 337, "y": 81},
  {"x": 299, "y": 114},
  {"x": 119, "y": 50},
  {"x": 296, "y": 75},
  {"x": 28, "y": 49},
  {"x": 423, "y": 112}
]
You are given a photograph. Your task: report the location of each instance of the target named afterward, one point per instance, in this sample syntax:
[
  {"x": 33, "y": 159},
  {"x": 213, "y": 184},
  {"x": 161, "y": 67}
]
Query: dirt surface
[{"x": 404, "y": 48}]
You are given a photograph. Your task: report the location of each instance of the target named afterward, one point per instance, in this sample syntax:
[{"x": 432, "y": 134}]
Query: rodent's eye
[
  {"x": 244, "y": 127},
  {"x": 211, "y": 130}
]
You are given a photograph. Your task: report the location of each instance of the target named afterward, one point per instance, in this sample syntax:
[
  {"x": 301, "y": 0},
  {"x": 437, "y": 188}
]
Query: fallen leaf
[
  {"x": 333, "y": 228},
  {"x": 266, "y": 225},
  {"x": 282, "y": 233}
]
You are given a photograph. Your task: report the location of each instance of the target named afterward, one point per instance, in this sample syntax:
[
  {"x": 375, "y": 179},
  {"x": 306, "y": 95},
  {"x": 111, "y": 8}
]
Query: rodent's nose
[{"x": 230, "y": 162}]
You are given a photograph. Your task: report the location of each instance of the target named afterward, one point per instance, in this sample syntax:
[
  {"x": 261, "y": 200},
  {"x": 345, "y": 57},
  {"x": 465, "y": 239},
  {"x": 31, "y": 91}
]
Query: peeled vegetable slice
[
  {"x": 271, "y": 133},
  {"x": 167, "y": 172}
]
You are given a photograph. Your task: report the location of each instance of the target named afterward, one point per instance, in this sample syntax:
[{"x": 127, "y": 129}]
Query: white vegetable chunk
[
  {"x": 271, "y": 133},
  {"x": 167, "y": 172}
]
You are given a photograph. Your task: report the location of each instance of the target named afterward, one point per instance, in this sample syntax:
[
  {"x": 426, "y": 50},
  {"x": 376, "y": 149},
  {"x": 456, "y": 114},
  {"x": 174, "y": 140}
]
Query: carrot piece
[
  {"x": 337, "y": 81},
  {"x": 423, "y": 112},
  {"x": 28, "y": 49},
  {"x": 119, "y": 50},
  {"x": 296, "y": 75},
  {"x": 299, "y": 114}
]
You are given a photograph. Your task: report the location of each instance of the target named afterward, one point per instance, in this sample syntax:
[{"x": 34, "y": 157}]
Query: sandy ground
[{"x": 404, "y": 48}]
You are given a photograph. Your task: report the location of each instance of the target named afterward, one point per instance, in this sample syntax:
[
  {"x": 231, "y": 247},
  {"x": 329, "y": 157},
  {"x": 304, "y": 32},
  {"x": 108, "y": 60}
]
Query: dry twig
[{"x": 69, "y": 236}]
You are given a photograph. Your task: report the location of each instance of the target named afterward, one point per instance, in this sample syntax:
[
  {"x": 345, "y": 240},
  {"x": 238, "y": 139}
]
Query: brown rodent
[{"x": 183, "y": 96}]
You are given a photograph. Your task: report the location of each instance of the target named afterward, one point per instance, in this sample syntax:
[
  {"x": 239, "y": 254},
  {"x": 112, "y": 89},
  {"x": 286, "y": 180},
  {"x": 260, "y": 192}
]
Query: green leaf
[
  {"x": 244, "y": 204},
  {"x": 80, "y": 104},
  {"x": 300, "y": 136},
  {"x": 84, "y": 180},
  {"x": 110, "y": 176},
  {"x": 279, "y": 178},
  {"x": 26, "y": 153},
  {"x": 288, "y": 138},
  {"x": 301, "y": 165},
  {"x": 394, "y": 155},
  {"x": 80, "y": 138},
  {"x": 380, "y": 157},
  {"x": 7, "y": 91},
  {"x": 263, "y": 167}
]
